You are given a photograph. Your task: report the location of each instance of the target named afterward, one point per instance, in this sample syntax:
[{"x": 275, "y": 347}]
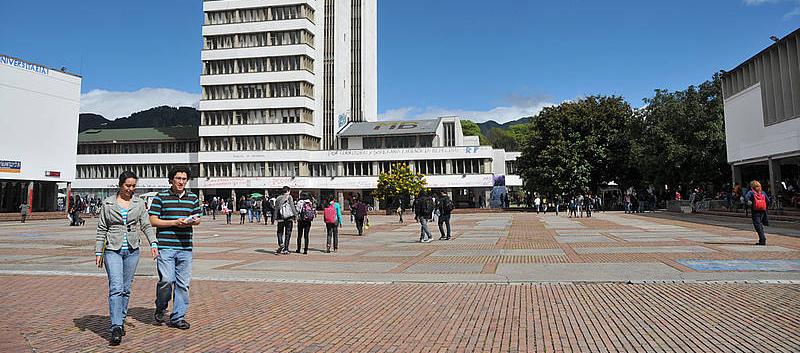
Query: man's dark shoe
[
  {"x": 181, "y": 324},
  {"x": 116, "y": 335},
  {"x": 159, "y": 316},
  {"x": 761, "y": 243}
]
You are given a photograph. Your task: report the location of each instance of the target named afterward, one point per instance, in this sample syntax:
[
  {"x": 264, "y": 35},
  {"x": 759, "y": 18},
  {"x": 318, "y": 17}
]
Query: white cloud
[
  {"x": 758, "y": 2},
  {"x": 113, "y": 105},
  {"x": 502, "y": 114},
  {"x": 795, "y": 11}
]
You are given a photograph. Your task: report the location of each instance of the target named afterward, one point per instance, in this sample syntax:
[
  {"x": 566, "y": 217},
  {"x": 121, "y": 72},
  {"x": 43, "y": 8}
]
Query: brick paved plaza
[{"x": 508, "y": 282}]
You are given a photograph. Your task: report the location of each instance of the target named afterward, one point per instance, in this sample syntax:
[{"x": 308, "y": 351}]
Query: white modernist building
[
  {"x": 762, "y": 107},
  {"x": 289, "y": 98},
  {"x": 437, "y": 148},
  {"x": 39, "y": 112}
]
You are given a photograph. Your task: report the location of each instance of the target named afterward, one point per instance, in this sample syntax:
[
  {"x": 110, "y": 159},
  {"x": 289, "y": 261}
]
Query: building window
[
  {"x": 449, "y": 134},
  {"x": 323, "y": 169},
  {"x": 385, "y": 167},
  {"x": 431, "y": 167},
  {"x": 511, "y": 167},
  {"x": 400, "y": 142},
  {"x": 358, "y": 168},
  {"x": 468, "y": 166},
  {"x": 283, "y": 169}
]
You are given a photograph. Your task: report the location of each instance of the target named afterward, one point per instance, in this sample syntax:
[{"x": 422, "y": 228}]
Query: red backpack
[
  {"x": 759, "y": 202},
  {"x": 330, "y": 214}
]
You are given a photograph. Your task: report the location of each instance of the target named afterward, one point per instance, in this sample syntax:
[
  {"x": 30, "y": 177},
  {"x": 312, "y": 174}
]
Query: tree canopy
[
  {"x": 400, "y": 182},
  {"x": 469, "y": 128},
  {"x": 678, "y": 138}
]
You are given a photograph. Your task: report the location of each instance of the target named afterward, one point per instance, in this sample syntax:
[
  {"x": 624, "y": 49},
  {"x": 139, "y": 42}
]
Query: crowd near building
[
  {"x": 39, "y": 108},
  {"x": 762, "y": 107},
  {"x": 289, "y": 98}
]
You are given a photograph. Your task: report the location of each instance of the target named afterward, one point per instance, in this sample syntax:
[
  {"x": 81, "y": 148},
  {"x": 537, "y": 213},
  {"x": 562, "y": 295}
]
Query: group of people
[
  {"x": 287, "y": 211},
  {"x": 640, "y": 201},
  {"x": 426, "y": 206}
]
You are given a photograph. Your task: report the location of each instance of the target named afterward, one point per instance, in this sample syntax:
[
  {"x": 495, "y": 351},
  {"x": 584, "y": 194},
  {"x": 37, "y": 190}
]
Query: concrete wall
[
  {"x": 39, "y": 116},
  {"x": 745, "y": 134}
]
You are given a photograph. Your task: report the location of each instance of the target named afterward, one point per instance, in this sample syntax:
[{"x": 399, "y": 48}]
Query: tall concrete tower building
[{"x": 279, "y": 79}]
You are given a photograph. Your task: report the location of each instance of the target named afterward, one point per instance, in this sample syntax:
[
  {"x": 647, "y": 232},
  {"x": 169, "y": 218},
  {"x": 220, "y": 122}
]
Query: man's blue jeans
[
  {"x": 120, "y": 267},
  {"x": 424, "y": 233},
  {"x": 174, "y": 274}
]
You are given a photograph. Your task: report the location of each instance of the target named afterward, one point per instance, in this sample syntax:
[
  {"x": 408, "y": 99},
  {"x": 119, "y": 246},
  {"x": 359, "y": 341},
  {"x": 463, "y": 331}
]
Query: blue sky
[{"x": 435, "y": 57}]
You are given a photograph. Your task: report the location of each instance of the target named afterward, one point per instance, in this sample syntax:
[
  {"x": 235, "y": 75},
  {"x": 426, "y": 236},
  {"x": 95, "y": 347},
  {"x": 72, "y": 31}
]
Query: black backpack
[
  {"x": 447, "y": 205},
  {"x": 427, "y": 206}
]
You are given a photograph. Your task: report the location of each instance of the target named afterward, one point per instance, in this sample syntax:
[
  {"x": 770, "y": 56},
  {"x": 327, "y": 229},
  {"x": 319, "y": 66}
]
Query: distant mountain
[
  {"x": 489, "y": 125},
  {"x": 154, "y": 117},
  {"x": 88, "y": 121}
]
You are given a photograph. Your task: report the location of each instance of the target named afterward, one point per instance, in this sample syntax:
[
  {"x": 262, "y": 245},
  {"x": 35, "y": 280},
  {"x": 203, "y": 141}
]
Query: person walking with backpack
[
  {"x": 759, "y": 202},
  {"x": 333, "y": 219},
  {"x": 359, "y": 211},
  {"x": 423, "y": 212},
  {"x": 285, "y": 213},
  {"x": 305, "y": 208},
  {"x": 445, "y": 210}
]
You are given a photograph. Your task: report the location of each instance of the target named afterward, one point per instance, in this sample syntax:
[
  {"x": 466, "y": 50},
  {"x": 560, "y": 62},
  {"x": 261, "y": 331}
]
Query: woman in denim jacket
[{"x": 117, "y": 247}]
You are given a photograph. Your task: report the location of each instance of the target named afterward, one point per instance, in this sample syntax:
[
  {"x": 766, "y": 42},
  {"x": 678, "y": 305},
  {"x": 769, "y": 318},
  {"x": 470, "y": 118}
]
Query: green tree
[
  {"x": 502, "y": 138},
  {"x": 469, "y": 128},
  {"x": 575, "y": 146},
  {"x": 683, "y": 137},
  {"x": 399, "y": 183}
]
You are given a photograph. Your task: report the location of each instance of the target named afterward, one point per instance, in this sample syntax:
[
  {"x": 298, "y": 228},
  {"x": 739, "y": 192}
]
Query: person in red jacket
[{"x": 758, "y": 201}]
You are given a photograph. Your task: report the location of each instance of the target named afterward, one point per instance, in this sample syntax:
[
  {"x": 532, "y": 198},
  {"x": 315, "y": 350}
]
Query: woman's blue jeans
[{"x": 120, "y": 267}]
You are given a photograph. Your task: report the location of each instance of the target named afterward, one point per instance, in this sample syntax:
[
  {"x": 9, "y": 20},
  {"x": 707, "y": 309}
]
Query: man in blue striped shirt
[{"x": 173, "y": 213}]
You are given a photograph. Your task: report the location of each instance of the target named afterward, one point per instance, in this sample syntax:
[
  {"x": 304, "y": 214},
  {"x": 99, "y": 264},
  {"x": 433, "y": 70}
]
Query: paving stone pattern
[
  {"x": 506, "y": 283},
  {"x": 63, "y": 314}
]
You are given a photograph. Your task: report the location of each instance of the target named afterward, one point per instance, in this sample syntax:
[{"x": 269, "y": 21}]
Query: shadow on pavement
[
  {"x": 95, "y": 323},
  {"x": 143, "y": 315}
]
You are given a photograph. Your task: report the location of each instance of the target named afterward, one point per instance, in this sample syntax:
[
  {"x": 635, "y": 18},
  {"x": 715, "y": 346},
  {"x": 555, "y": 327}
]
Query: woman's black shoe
[{"x": 116, "y": 336}]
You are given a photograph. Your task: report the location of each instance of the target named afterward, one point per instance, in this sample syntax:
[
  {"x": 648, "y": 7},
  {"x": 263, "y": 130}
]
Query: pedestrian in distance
[
  {"x": 117, "y": 247},
  {"x": 242, "y": 209},
  {"x": 257, "y": 210},
  {"x": 214, "y": 205},
  {"x": 423, "y": 212},
  {"x": 285, "y": 214},
  {"x": 445, "y": 208},
  {"x": 227, "y": 210},
  {"x": 359, "y": 211},
  {"x": 758, "y": 201},
  {"x": 266, "y": 209},
  {"x": 306, "y": 214},
  {"x": 24, "y": 210},
  {"x": 333, "y": 220},
  {"x": 400, "y": 208},
  {"x": 174, "y": 212}
]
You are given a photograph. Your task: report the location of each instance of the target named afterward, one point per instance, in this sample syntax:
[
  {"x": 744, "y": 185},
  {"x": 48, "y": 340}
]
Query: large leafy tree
[
  {"x": 575, "y": 146},
  {"x": 400, "y": 183},
  {"x": 683, "y": 137},
  {"x": 502, "y": 138},
  {"x": 469, "y": 128}
]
